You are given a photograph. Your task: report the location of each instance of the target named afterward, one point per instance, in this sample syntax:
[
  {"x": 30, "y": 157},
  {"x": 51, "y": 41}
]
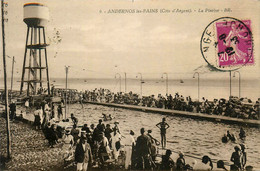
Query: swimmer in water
[
  {"x": 207, "y": 161},
  {"x": 242, "y": 134},
  {"x": 163, "y": 126},
  {"x": 221, "y": 165},
  {"x": 231, "y": 136},
  {"x": 110, "y": 117},
  {"x": 104, "y": 116},
  {"x": 225, "y": 138}
]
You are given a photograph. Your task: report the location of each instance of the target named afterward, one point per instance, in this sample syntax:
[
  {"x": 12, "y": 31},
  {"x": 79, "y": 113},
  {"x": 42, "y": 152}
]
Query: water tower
[{"x": 35, "y": 62}]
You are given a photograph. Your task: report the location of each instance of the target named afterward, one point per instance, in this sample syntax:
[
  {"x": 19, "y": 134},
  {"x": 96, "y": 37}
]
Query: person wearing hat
[
  {"x": 83, "y": 134},
  {"x": 68, "y": 142},
  {"x": 83, "y": 154},
  {"x": 129, "y": 143},
  {"x": 167, "y": 162},
  {"x": 235, "y": 158},
  {"x": 116, "y": 126}
]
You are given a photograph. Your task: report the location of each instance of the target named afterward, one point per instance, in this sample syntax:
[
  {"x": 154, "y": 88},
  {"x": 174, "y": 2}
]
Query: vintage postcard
[{"x": 130, "y": 85}]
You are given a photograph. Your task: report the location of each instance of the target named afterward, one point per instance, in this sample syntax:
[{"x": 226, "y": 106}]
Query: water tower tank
[{"x": 35, "y": 14}]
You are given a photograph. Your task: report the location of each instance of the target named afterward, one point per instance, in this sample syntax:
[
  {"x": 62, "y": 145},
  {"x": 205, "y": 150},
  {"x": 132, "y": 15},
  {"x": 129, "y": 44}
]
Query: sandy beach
[{"x": 30, "y": 149}]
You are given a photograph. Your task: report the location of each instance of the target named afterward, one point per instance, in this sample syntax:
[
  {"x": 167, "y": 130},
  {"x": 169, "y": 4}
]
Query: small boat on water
[{"x": 181, "y": 81}]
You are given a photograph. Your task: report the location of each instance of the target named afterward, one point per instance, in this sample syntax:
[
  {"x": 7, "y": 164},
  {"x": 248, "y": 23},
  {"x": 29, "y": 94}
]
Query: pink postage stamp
[{"x": 235, "y": 45}]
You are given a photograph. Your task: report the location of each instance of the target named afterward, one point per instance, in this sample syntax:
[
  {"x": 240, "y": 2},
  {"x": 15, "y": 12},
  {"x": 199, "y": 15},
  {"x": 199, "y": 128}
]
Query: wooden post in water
[{"x": 5, "y": 86}]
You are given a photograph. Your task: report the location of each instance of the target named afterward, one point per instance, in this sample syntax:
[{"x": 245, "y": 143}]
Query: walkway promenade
[{"x": 215, "y": 118}]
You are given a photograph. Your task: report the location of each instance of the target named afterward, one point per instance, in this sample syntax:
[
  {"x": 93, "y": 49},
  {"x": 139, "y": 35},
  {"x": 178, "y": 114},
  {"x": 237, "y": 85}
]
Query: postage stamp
[
  {"x": 234, "y": 43},
  {"x": 227, "y": 43}
]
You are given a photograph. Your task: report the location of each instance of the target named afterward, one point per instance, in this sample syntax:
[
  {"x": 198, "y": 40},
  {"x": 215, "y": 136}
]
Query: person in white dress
[
  {"x": 68, "y": 141},
  {"x": 116, "y": 138},
  {"x": 129, "y": 143}
]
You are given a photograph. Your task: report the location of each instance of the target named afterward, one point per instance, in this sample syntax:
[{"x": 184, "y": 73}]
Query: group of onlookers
[
  {"x": 233, "y": 107},
  {"x": 104, "y": 146}
]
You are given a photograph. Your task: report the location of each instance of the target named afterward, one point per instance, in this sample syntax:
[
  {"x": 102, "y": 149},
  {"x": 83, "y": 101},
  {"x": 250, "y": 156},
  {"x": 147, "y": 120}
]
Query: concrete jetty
[{"x": 204, "y": 116}]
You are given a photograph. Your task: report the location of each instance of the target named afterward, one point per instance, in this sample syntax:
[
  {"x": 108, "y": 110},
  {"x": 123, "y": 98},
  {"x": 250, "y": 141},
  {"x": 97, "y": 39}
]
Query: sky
[{"x": 96, "y": 44}]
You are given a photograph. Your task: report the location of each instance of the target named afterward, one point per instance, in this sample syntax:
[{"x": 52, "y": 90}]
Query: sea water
[{"x": 209, "y": 88}]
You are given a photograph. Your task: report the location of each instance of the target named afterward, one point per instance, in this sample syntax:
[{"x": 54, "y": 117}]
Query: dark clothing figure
[
  {"x": 83, "y": 154},
  {"x": 143, "y": 145},
  {"x": 80, "y": 152},
  {"x": 60, "y": 115},
  {"x": 101, "y": 127},
  {"x": 224, "y": 139},
  {"x": 47, "y": 132},
  {"x": 206, "y": 160},
  {"x": 75, "y": 133},
  {"x": 221, "y": 165},
  {"x": 167, "y": 162},
  {"x": 180, "y": 163},
  {"x": 231, "y": 136},
  {"x": 143, "y": 151},
  {"x": 108, "y": 132},
  {"x": 235, "y": 157},
  {"x": 86, "y": 128},
  {"x": 74, "y": 120},
  {"x": 95, "y": 134},
  {"x": 53, "y": 136},
  {"x": 43, "y": 106},
  {"x": 12, "y": 107}
]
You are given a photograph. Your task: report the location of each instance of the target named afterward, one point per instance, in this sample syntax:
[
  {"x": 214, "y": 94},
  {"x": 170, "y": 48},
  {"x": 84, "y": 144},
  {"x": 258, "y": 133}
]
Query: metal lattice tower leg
[{"x": 34, "y": 65}]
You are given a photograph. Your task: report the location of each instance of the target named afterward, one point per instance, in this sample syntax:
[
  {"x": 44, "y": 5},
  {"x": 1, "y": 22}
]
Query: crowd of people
[
  {"x": 233, "y": 107},
  {"x": 101, "y": 146}
]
